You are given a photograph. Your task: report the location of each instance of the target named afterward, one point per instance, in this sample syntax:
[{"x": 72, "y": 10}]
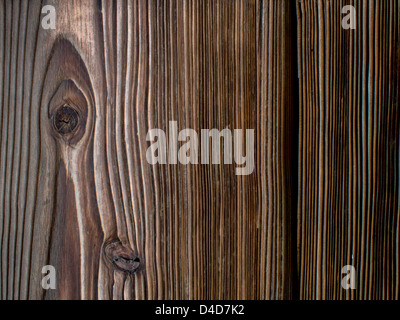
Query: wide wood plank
[{"x": 77, "y": 191}]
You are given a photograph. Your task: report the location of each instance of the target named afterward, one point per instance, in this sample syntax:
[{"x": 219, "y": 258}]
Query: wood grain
[
  {"x": 76, "y": 189},
  {"x": 81, "y": 200},
  {"x": 349, "y": 149}
]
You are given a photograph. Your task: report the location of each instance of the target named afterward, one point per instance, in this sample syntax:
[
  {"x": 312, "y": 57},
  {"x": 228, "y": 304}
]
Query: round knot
[{"x": 66, "y": 120}]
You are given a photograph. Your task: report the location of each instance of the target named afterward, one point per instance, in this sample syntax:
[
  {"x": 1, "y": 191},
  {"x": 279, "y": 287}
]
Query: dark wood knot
[
  {"x": 66, "y": 120},
  {"x": 123, "y": 258}
]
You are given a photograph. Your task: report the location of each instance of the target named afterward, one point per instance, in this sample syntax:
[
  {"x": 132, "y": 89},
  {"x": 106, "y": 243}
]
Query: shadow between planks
[{"x": 324, "y": 104}]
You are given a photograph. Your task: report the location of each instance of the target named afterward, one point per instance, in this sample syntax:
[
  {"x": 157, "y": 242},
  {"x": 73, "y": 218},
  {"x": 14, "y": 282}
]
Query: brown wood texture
[
  {"x": 200, "y": 231},
  {"x": 349, "y": 149},
  {"x": 76, "y": 189}
]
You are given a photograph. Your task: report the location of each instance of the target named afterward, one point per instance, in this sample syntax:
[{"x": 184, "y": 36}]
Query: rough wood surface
[
  {"x": 76, "y": 190},
  {"x": 349, "y": 149},
  {"x": 76, "y": 200}
]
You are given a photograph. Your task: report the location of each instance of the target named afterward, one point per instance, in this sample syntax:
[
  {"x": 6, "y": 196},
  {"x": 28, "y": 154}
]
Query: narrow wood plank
[{"x": 348, "y": 208}]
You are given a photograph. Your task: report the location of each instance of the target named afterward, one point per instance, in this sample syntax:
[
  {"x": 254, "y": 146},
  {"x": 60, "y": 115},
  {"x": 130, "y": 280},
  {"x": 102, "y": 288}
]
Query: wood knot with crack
[
  {"x": 122, "y": 257},
  {"x": 65, "y": 120}
]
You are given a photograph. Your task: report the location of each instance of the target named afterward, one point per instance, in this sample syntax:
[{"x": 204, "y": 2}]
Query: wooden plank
[
  {"x": 348, "y": 208},
  {"x": 77, "y": 191}
]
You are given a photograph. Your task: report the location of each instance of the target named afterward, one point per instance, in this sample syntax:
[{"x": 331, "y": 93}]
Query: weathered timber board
[{"x": 77, "y": 191}]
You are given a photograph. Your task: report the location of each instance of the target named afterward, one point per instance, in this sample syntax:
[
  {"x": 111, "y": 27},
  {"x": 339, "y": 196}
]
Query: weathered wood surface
[
  {"x": 349, "y": 149},
  {"x": 324, "y": 192},
  {"x": 199, "y": 231}
]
